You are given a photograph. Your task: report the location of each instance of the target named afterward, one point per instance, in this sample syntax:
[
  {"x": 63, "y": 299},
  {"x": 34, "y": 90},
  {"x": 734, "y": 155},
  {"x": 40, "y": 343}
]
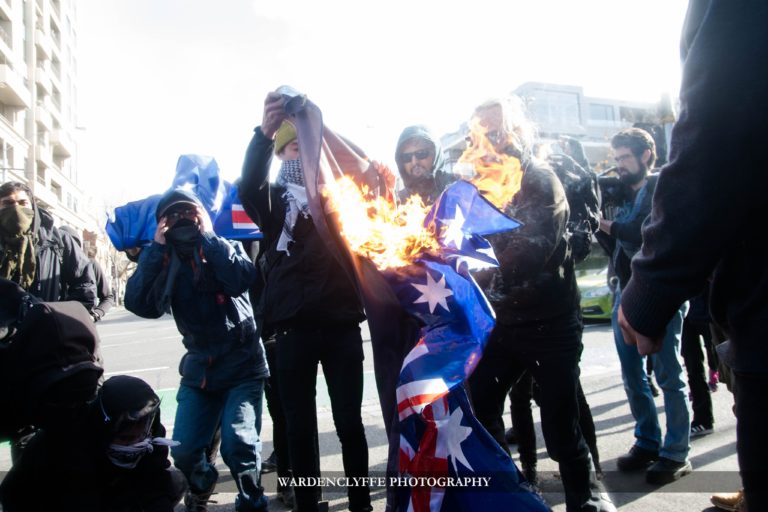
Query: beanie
[{"x": 285, "y": 134}]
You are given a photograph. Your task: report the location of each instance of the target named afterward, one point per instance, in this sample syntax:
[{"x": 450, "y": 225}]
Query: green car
[{"x": 596, "y": 295}]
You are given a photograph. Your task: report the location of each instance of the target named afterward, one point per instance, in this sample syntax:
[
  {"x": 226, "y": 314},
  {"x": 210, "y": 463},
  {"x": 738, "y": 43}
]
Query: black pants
[
  {"x": 522, "y": 420},
  {"x": 339, "y": 348},
  {"x": 751, "y": 394},
  {"x": 693, "y": 357},
  {"x": 551, "y": 354},
  {"x": 275, "y": 408}
]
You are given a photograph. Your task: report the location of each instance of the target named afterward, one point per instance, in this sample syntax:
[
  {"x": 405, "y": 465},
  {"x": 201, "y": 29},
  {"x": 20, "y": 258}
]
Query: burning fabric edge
[{"x": 431, "y": 298}]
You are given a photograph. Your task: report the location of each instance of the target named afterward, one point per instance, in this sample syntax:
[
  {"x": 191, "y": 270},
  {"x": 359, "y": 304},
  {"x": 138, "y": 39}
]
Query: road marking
[
  {"x": 177, "y": 337},
  {"x": 117, "y": 334},
  {"x": 140, "y": 370}
]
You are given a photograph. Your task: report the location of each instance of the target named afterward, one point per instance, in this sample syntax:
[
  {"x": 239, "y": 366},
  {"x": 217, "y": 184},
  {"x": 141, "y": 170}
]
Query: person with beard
[
  {"x": 204, "y": 280},
  {"x": 112, "y": 458},
  {"x": 538, "y": 321},
  {"x": 664, "y": 460},
  {"x": 420, "y": 161},
  {"x": 311, "y": 306},
  {"x": 38, "y": 256}
]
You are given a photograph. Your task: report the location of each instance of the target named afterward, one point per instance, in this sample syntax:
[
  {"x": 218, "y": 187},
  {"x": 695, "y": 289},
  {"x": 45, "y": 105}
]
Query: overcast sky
[{"x": 161, "y": 78}]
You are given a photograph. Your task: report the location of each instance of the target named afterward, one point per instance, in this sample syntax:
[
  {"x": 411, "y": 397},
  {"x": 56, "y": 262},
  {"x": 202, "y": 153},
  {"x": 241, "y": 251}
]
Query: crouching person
[
  {"x": 114, "y": 459},
  {"x": 203, "y": 279}
]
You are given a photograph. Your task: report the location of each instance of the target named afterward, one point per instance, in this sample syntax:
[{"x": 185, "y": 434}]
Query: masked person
[
  {"x": 36, "y": 255},
  {"x": 203, "y": 280},
  {"x": 420, "y": 162},
  {"x": 312, "y": 307},
  {"x": 538, "y": 322},
  {"x": 112, "y": 458},
  {"x": 664, "y": 458}
]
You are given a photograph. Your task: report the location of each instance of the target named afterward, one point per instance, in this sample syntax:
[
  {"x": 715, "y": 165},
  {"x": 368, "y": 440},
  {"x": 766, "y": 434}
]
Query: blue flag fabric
[
  {"x": 429, "y": 323},
  {"x": 134, "y": 224}
]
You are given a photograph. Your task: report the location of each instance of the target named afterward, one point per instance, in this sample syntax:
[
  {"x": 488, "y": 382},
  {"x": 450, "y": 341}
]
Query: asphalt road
[{"x": 151, "y": 349}]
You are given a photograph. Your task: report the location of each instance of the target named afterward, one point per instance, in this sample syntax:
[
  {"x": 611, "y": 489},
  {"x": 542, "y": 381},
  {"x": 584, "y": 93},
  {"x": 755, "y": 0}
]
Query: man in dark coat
[
  {"x": 204, "y": 280},
  {"x": 538, "y": 320},
  {"x": 36, "y": 255},
  {"x": 420, "y": 162},
  {"x": 311, "y": 305},
  {"x": 112, "y": 458},
  {"x": 708, "y": 214}
]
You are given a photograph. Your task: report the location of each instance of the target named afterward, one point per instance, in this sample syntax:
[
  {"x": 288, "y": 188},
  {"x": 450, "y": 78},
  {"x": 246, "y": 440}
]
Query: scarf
[
  {"x": 291, "y": 176},
  {"x": 17, "y": 261}
]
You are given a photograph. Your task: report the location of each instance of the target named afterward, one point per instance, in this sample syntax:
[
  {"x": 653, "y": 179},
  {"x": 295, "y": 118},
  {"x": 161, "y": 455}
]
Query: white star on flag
[
  {"x": 453, "y": 233},
  {"x": 433, "y": 293},
  {"x": 453, "y": 434}
]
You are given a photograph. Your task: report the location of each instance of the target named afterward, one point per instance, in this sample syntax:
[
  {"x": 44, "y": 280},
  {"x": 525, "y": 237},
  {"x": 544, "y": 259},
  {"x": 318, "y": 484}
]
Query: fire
[
  {"x": 497, "y": 176},
  {"x": 390, "y": 235}
]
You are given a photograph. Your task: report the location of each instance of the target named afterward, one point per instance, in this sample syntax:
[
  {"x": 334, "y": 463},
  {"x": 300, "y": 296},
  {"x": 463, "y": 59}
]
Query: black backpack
[
  {"x": 583, "y": 195},
  {"x": 49, "y": 361}
]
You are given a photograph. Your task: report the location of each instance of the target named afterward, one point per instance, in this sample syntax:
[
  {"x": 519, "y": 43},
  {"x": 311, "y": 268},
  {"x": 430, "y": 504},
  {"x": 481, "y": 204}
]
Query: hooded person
[
  {"x": 36, "y": 255},
  {"x": 111, "y": 458},
  {"x": 203, "y": 280},
  {"x": 420, "y": 162}
]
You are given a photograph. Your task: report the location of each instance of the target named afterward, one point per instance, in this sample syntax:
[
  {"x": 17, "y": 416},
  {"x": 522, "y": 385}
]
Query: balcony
[
  {"x": 43, "y": 117},
  {"x": 43, "y": 156},
  {"x": 43, "y": 42},
  {"x": 62, "y": 143},
  {"x": 6, "y": 12},
  {"x": 43, "y": 79},
  {"x": 12, "y": 88}
]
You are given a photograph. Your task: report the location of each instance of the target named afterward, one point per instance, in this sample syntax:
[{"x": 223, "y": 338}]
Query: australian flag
[
  {"x": 429, "y": 322},
  {"x": 134, "y": 224}
]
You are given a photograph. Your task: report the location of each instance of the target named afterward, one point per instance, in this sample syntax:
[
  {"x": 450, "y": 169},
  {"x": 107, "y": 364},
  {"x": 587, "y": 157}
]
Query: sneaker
[
  {"x": 637, "y": 459},
  {"x": 195, "y": 502},
  {"x": 714, "y": 378},
  {"x": 666, "y": 471},
  {"x": 698, "y": 430},
  {"x": 269, "y": 464},
  {"x": 731, "y": 501},
  {"x": 509, "y": 436}
]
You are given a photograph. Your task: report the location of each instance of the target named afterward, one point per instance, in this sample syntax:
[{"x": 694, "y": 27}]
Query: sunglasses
[
  {"x": 421, "y": 154},
  {"x": 188, "y": 213}
]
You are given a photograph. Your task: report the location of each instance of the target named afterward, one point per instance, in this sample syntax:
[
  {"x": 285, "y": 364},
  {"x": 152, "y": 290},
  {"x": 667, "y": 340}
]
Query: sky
[{"x": 162, "y": 78}]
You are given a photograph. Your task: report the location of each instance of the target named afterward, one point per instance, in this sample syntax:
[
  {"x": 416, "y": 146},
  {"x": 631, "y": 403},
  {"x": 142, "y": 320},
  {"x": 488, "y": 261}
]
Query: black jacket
[
  {"x": 309, "y": 285},
  {"x": 535, "y": 280},
  {"x": 709, "y": 206}
]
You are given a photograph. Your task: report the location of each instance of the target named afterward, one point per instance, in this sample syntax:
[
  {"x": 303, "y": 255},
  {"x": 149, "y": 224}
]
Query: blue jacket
[{"x": 218, "y": 328}]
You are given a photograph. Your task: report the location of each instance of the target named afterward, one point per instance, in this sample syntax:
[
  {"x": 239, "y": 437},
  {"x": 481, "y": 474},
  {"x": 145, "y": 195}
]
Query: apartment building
[{"x": 38, "y": 104}]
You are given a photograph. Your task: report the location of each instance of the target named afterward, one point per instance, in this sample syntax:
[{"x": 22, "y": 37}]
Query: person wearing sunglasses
[
  {"x": 203, "y": 280},
  {"x": 420, "y": 161}
]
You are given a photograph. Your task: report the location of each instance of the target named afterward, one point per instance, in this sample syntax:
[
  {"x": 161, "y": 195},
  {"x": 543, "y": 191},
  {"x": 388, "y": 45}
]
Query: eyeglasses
[
  {"x": 421, "y": 154},
  {"x": 623, "y": 158},
  {"x": 188, "y": 213}
]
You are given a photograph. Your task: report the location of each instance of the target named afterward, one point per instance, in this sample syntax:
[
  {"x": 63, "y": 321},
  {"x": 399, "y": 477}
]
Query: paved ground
[{"x": 151, "y": 349}]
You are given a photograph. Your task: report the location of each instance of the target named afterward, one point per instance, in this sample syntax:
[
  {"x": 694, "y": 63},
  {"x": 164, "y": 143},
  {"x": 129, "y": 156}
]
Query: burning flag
[{"x": 428, "y": 320}]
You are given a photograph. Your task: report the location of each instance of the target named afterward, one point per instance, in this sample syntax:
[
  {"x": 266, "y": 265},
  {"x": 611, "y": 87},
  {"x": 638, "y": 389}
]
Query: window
[
  {"x": 598, "y": 112},
  {"x": 556, "y": 108}
]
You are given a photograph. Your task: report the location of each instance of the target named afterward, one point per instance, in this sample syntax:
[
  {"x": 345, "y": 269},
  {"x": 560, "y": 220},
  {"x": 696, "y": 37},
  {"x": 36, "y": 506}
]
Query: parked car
[{"x": 594, "y": 283}]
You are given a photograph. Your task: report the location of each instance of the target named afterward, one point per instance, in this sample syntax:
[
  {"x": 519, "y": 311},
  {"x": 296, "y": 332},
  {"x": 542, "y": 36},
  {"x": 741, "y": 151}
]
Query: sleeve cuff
[{"x": 648, "y": 308}]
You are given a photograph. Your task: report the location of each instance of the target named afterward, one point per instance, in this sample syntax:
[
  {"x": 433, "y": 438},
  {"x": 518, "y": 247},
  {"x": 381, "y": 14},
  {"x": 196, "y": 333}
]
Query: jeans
[
  {"x": 238, "y": 409},
  {"x": 669, "y": 375},
  {"x": 339, "y": 348},
  {"x": 511, "y": 351}
]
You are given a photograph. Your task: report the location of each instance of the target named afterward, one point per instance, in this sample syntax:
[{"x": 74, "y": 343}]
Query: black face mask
[{"x": 184, "y": 237}]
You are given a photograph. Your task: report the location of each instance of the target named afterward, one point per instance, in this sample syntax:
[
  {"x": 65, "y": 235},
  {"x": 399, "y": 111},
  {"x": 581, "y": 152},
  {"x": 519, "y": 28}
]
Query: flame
[
  {"x": 390, "y": 235},
  {"x": 497, "y": 176}
]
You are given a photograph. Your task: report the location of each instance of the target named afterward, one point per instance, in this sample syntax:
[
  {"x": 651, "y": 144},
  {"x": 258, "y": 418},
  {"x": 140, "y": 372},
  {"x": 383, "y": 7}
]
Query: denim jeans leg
[
  {"x": 647, "y": 429},
  {"x": 670, "y": 376},
  {"x": 197, "y": 416},
  {"x": 241, "y": 442}
]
